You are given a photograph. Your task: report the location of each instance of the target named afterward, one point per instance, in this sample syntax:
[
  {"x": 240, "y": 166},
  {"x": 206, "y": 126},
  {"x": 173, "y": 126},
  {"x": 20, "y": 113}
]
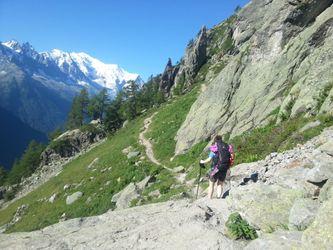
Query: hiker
[{"x": 222, "y": 156}]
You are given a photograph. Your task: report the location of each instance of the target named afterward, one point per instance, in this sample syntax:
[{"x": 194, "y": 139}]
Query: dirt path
[{"x": 147, "y": 144}]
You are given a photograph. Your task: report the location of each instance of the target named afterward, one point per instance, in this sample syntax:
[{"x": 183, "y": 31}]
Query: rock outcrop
[
  {"x": 195, "y": 56},
  {"x": 168, "y": 77},
  {"x": 283, "y": 65},
  {"x": 65, "y": 148},
  {"x": 71, "y": 143}
]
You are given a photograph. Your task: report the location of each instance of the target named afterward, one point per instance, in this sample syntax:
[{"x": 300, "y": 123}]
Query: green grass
[
  {"x": 258, "y": 143},
  {"x": 166, "y": 124},
  {"x": 323, "y": 94},
  {"x": 123, "y": 171}
]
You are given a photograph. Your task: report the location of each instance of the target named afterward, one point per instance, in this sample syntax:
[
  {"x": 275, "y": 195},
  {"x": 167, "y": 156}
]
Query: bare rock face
[
  {"x": 195, "y": 57},
  {"x": 168, "y": 77},
  {"x": 273, "y": 71}
]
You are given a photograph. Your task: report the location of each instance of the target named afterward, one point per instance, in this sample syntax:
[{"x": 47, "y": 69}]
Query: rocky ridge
[
  {"x": 277, "y": 64},
  {"x": 287, "y": 197}
]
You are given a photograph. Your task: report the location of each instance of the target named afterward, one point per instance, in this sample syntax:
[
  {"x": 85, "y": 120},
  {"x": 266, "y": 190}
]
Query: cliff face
[{"x": 280, "y": 63}]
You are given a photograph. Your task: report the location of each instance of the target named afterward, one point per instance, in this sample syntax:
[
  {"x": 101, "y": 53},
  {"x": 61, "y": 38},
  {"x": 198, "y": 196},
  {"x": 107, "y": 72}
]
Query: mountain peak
[{"x": 13, "y": 44}]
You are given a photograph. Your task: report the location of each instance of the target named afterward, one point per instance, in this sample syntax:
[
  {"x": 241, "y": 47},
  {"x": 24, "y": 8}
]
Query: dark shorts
[{"x": 220, "y": 175}]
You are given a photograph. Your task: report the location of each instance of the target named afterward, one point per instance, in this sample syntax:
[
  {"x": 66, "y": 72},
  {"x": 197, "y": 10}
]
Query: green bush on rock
[{"x": 240, "y": 228}]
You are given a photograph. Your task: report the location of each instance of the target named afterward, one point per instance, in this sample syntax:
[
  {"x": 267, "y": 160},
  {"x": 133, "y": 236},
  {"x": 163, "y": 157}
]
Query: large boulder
[
  {"x": 280, "y": 240},
  {"x": 131, "y": 192},
  {"x": 327, "y": 191},
  {"x": 73, "y": 197},
  {"x": 319, "y": 235},
  {"x": 322, "y": 171},
  {"x": 264, "y": 206},
  {"x": 302, "y": 213}
]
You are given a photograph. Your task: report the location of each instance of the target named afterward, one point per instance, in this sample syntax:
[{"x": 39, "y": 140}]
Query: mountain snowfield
[
  {"x": 109, "y": 76},
  {"x": 80, "y": 68}
]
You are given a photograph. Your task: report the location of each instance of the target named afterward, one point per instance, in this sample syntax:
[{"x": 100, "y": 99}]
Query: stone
[
  {"x": 107, "y": 183},
  {"x": 20, "y": 212},
  {"x": 264, "y": 206},
  {"x": 302, "y": 213},
  {"x": 319, "y": 235},
  {"x": 310, "y": 125},
  {"x": 129, "y": 193},
  {"x": 52, "y": 198},
  {"x": 89, "y": 199},
  {"x": 322, "y": 172},
  {"x": 63, "y": 217},
  {"x": 155, "y": 193},
  {"x": 66, "y": 187},
  {"x": 142, "y": 184},
  {"x": 326, "y": 192},
  {"x": 179, "y": 169},
  {"x": 115, "y": 197},
  {"x": 93, "y": 163},
  {"x": 280, "y": 240},
  {"x": 133, "y": 154},
  {"x": 74, "y": 197},
  {"x": 125, "y": 124},
  {"x": 327, "y": 148},
  {"x": 125, "y": 151}
]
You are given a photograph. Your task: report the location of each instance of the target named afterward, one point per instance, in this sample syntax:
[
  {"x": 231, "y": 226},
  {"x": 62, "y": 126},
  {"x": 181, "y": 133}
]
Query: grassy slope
[
  {"x": 123, "y": 171},
  {"x": 164, "y": 128}
]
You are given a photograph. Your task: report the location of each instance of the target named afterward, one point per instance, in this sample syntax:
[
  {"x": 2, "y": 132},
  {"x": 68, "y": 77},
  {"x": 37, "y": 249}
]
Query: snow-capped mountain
[
  {"x": 79, "y": 68},
  {"x": 38, "y": 87},
  {"x": 109, "y": 76}
]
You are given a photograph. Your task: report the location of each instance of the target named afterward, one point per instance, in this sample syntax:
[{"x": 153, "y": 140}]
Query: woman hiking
[{"x": 221, "y": 156}]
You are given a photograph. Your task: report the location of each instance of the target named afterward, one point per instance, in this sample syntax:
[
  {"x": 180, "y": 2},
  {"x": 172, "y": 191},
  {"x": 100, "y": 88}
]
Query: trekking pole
[{"x": 201, "y": 166}]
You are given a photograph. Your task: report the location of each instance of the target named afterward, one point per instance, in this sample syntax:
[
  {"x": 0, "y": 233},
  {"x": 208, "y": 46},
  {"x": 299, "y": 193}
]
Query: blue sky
[{"x": 139, "y": 35}]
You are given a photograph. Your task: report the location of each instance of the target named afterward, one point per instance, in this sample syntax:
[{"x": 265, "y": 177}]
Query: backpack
[
  {"x": 225, "y": 158},
  {"x": 232, "y": 155}
]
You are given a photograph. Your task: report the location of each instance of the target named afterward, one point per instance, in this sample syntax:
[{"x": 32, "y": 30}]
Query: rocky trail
[
  {"x": 287, "y": 197},
  {"x": 149, "y": 147}
]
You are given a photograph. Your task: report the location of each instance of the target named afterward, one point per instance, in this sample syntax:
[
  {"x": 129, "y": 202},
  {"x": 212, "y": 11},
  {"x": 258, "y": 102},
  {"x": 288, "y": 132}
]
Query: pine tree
[
  {"x": 131, "y": 102},
  {"x": 78, "y": 111},
  {"x": 27, "y": 164},
  {"x": 3, "y": 174},
  {"x": 98, "y": 104},
  {"x": 113, "y": 117}
]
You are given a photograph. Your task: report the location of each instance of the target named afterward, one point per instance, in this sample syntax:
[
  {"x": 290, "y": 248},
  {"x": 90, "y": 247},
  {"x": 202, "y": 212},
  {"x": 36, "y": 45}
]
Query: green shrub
[
  {"x": 60, "y": 146},
  {"x": 90, "y": 128},
  {"x": 27, "y": 164},
  {"x": 239, "y": 228},
  {"x": 9, "y": 195}
]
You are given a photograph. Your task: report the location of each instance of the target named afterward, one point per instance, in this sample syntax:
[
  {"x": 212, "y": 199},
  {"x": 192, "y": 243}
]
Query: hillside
[
  {"x": 282, "y": 202},
  {"x": 14, "y": 137}
]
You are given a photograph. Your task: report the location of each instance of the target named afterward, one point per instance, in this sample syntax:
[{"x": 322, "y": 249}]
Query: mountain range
[{"x": 37, "y": 88}]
